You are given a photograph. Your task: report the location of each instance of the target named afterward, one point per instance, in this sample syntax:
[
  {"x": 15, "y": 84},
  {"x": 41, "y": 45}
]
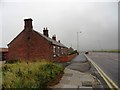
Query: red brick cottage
[
  {"x": 3, "y": 53},
  {"x": 30, "y": 44}
]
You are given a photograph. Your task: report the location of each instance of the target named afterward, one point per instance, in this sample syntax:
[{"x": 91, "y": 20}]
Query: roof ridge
[{"x": 50, "y": 39}]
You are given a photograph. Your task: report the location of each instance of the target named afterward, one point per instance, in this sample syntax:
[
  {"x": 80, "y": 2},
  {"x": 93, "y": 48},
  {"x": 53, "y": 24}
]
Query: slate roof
[
  {"x": 47, "y": 38},
  {"x": 51, "y": 40}
]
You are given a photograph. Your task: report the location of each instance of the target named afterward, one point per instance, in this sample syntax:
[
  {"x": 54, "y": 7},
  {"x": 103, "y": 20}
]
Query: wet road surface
[{"x": 108, "y": 62}]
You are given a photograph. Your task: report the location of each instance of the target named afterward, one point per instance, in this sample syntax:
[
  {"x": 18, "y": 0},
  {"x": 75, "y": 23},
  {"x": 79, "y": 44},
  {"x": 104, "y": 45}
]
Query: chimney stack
[
  {"x": 54, "y": 37},
  {"x": 28, "y": 23},
  {"x": 45, "y": 32}
]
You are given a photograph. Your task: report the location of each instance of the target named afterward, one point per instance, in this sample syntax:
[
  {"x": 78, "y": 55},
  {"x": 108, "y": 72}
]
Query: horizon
[{"x": 98, "y": 22}]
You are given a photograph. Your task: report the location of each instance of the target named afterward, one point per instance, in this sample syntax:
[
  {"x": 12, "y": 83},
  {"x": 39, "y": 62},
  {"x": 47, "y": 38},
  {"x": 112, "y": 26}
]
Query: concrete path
[
  {"x": 79, "y": 58},
  {"x": 74, "y": 78},
  {"x": 79, "y": 63}
]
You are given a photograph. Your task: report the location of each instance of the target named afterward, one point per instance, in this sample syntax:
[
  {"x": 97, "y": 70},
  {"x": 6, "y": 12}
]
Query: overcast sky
[{"x": 98, "y": 21}]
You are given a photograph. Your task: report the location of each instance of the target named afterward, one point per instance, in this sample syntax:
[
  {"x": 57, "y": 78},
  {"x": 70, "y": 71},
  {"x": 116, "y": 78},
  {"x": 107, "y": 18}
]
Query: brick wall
[{"x": 30, "y": 45}]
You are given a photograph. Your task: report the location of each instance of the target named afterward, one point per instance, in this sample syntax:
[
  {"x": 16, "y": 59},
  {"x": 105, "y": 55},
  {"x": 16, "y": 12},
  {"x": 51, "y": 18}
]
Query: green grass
[
  {"x": 112, "y": 51},
  {"x": 29, "y": 75},
  {"x": 0, "y": 77}
]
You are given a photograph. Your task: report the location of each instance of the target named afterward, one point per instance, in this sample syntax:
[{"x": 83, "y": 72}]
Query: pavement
[
  {"x": 75, "y": 79},
  {"x": 76, "y": 75},
  {"x": 80, "y": 63}
]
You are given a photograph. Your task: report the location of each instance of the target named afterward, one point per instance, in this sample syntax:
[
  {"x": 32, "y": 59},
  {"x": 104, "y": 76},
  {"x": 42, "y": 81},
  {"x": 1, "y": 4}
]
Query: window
[
  {"x": 54, "y": 51},
  {"x": 62, "y": 50},
  {"x": 58, "y": 51},
  {"x": 54, "y": 55}
]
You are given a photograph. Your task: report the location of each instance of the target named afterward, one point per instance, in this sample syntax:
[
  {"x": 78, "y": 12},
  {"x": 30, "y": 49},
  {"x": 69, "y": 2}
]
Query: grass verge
[
  {"x": 111, "y": 51},
  {"x": 29, "y": 75}
]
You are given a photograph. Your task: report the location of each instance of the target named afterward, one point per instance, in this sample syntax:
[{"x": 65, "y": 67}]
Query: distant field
[{"x": 113, "y": 51}]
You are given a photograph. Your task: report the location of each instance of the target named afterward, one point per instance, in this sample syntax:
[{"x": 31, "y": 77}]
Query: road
[{"x": 108, "y": 62}]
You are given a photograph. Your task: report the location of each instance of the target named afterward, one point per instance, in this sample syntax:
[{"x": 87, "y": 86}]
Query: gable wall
[{"x": 30, "y": 45}]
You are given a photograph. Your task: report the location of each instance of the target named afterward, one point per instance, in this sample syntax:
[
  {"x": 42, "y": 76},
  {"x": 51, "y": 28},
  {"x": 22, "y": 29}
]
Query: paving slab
[{"x": 75, "y": 79}]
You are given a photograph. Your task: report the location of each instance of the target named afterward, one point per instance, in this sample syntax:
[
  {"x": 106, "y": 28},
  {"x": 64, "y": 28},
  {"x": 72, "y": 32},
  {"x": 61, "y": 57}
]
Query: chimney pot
[
  {"x": 46, "y": 28},
  {"x": 45, "y": 32},
  {"x": 54, "y": 37},
  {"x": 59, "y": 41}
]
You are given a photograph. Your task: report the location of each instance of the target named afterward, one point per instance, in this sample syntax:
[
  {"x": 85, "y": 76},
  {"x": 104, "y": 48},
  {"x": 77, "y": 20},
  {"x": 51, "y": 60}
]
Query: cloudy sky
[{"x": 96, "y": 19}]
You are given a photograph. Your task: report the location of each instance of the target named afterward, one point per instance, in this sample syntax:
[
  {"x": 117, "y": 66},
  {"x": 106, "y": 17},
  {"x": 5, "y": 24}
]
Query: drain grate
[{"x": 87, "y": 83}]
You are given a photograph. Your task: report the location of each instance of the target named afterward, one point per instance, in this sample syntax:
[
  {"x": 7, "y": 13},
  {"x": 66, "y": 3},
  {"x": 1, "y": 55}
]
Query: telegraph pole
[{"x": 78, "y": 41}]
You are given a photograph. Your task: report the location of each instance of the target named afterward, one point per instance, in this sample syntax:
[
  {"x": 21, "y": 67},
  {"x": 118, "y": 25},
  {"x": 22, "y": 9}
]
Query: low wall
[{"x": 66, "y": 58}]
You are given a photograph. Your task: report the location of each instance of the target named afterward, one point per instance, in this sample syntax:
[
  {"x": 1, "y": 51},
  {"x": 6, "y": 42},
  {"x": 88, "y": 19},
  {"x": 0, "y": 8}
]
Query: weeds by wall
[{"x": 29, "y": 75}]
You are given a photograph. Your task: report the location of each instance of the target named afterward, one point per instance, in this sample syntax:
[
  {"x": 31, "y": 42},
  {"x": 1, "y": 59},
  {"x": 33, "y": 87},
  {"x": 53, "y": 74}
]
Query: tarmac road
[{"x": 108, "y": 62}]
